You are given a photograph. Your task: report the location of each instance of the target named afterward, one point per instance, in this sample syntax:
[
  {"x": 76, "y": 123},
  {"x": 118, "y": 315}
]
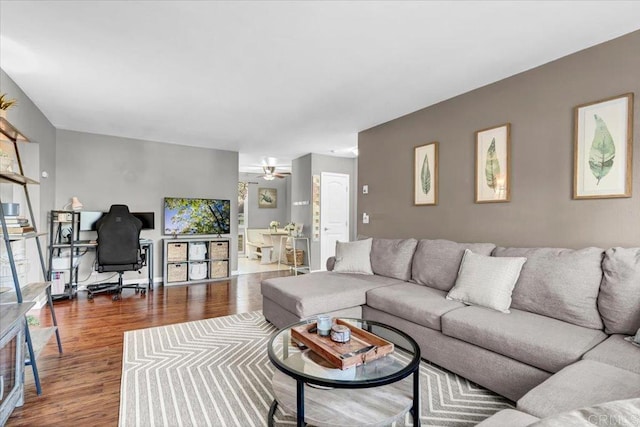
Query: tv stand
[{"x": 191, "y": 260}]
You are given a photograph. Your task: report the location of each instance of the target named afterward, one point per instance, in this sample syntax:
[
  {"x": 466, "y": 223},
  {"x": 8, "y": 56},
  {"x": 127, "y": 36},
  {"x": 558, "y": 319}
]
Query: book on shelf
[
  {"x": 16, "y": 221},
  {"x": 20, "y": 230}
]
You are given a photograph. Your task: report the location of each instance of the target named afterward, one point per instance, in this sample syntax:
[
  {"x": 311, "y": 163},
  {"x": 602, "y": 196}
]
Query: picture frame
[
  {"x": 267, "y": 198},
  {"x": 493, "y": 164},
  {"x": 425, "y": 174},
  {"x": 603, "y": 148}
]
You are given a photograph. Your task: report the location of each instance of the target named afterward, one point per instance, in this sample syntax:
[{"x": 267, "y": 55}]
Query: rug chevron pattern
[{"x": 216, "y": 372}]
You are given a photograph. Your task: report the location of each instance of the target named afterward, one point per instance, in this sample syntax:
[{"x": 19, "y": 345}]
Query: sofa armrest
[{"x": 331, "y": 262}]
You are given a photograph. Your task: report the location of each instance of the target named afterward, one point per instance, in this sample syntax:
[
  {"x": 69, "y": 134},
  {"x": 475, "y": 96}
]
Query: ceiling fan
[{"x": 270, "y": 173}]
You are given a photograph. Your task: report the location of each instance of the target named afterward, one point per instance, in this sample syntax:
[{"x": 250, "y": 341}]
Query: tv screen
[{"x": 196, "y": 216}]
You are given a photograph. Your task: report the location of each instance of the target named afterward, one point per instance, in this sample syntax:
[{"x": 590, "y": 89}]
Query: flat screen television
[{"x": 196, "y": 216}]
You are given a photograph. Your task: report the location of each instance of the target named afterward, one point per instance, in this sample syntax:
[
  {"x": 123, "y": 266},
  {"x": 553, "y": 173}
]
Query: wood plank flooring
[{"x": 82, "y": 386}]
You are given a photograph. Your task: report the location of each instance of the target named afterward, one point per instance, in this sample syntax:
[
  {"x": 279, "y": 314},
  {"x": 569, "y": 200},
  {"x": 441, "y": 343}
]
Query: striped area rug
[{"x": 216, "y": 372}]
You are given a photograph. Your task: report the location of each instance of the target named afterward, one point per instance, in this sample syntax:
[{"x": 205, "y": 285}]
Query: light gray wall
[
  {"x": 301, "y": 190},
  {"x": 102, "y": 170},
  {"x": 28, "y": 118},
  {"x": 539, "y": 105},
  {"x": 261, "y": 217}
]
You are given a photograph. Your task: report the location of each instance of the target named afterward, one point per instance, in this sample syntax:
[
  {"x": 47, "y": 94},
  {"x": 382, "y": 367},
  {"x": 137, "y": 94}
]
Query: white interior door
[{"x": 334, "y": 213}]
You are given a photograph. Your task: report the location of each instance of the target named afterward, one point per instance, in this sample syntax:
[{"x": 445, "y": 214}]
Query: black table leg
[
  {"x": 300, "y": 402},
  {"x": 416, "y": 398},
  {"x": 272, "y": 413}
]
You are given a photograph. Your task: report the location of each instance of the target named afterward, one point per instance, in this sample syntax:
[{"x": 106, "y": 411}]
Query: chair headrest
[{"x": 119, "y": 209}]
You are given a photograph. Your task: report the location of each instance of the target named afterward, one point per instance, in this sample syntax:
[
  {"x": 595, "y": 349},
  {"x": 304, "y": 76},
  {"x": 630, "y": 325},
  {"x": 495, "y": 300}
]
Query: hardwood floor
[{"x": 82, "y": 386}]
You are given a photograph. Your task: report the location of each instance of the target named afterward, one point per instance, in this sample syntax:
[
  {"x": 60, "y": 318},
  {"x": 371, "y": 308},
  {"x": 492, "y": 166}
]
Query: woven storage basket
[
  {"x": 219, "y": 250},
  {"x": 299, "y": 256},
  {"x": 177, "y": 251},
  {"x": 219, "y": 269},
  {"x": 177, "y": 272}
]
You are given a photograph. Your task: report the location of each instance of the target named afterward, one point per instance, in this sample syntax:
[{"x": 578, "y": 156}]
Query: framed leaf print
[
  {"x": 603, "y": 148},
  {"x": 425, "y": 174},
  {"x": 493, "y": 164}
]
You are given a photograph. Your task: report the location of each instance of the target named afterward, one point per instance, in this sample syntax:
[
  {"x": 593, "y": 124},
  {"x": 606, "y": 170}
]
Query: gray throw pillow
[
  {"x": 353, "y": 257},
  {"x": 392, "y": 257},
  {"x": 486, "y": 281}
]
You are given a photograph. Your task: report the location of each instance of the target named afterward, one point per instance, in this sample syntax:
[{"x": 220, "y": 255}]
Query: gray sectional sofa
[{"x": 560, "y": 348}]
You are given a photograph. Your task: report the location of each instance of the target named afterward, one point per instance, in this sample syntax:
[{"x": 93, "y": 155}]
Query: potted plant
[
  {"x": 6, "y": 104},
  {"x": 290, "y": 228}
]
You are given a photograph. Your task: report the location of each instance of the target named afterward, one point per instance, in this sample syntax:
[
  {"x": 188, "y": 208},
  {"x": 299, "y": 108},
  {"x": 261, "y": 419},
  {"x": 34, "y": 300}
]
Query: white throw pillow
[
  {"x": 486, "y": 281},
  {"x": 353, "y": 257}
]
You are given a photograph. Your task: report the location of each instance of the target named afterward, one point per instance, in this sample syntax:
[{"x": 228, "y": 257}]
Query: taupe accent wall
[{"x": 539, "y": 105}]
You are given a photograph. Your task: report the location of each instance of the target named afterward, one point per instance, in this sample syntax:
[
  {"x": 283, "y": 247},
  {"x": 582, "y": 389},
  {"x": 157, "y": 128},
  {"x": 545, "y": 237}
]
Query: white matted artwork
[
  {"x": 603, "y": 148},
  {"x": 315, "y": 198},
  {"x": 493, "y": 164},
  {"x": 425, "y": 174},
  {"x": 267, "y": 197}
]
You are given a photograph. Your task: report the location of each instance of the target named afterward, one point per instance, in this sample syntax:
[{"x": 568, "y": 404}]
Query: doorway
[{"x": 334, "y": 213}]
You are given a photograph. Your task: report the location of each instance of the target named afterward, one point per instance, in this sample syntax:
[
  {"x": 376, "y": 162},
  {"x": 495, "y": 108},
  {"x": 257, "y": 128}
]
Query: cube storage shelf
[{"x": 195, "y": 260}]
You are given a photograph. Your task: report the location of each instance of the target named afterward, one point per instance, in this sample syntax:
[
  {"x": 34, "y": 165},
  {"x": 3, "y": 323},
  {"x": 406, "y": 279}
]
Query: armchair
[{"x": 118, "y": 249}]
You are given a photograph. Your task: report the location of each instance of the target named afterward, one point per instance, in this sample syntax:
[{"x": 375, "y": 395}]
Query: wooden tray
[{"x": 332, "y": 351}]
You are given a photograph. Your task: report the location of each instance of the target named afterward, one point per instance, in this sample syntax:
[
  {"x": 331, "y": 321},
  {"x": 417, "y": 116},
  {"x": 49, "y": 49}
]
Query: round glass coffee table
[{"x": 374, "y": 393}]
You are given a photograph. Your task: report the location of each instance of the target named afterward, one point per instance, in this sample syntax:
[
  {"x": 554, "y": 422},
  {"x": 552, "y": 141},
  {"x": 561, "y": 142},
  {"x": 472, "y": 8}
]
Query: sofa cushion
[
  {"x": 619, "y": 413},
  {"x": 559, "y": 283},
  {"x": 321, "y": 292},
  {"x": 353, "y": 257},
  {"x": 416, "y": 303},
  {"x": 392, "y": 257},
  {"x": 486, "y": 281},
  {"x": 618, "y": 352},
  {"x": 436, "y": 262},
  {"x": 619, "y": 298},
  {"x": 540, "y": 341},
  {"x": 582, "y": 384},
  {"x": 510, "y": 418}
]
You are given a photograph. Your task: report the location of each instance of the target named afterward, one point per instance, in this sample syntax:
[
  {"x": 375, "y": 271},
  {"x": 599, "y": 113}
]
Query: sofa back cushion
[
  {"x": 436, "y": 262},
  {"x": 619, "y": 298},
  {"x": 559, "y": 283},
  {"x": 392, "y": 257}
]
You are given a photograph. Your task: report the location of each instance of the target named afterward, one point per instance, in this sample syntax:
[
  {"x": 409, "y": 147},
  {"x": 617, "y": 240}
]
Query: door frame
[{"x": 347, "y": 177}]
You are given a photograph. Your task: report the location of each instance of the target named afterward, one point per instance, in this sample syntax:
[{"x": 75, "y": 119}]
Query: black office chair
[{"x": 118, "y": 249}]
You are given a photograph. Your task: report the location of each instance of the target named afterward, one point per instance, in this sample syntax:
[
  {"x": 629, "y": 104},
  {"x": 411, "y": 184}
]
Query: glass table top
[{"x": 302, "y": 363}]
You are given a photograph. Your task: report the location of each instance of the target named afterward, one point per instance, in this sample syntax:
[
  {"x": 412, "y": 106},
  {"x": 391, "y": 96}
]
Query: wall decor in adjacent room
[
  {"x": 425, "y": 174},
  {"x": 315, "y": 197},
  {"x": 493, "y": 164},
  {"x": 603, "y": 148},
  {"x": 267, "y": 197}
]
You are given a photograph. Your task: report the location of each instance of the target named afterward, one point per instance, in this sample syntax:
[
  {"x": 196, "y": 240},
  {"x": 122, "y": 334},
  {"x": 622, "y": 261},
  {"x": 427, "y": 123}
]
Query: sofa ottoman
[
  {"x": 616, "y": 351},
  {"x": 509, "y": 418},
  {"x": 585, "y": 383},
  {"x": 291, "y": 299}
]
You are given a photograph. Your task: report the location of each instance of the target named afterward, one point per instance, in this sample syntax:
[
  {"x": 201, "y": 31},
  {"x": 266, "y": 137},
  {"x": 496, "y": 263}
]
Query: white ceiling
[{"x": 278, "y": 79}]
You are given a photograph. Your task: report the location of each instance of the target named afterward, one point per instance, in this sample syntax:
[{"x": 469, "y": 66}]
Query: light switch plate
[
  {"x": 365, "y": 218},
  {"x": 365, "y": 189}
]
